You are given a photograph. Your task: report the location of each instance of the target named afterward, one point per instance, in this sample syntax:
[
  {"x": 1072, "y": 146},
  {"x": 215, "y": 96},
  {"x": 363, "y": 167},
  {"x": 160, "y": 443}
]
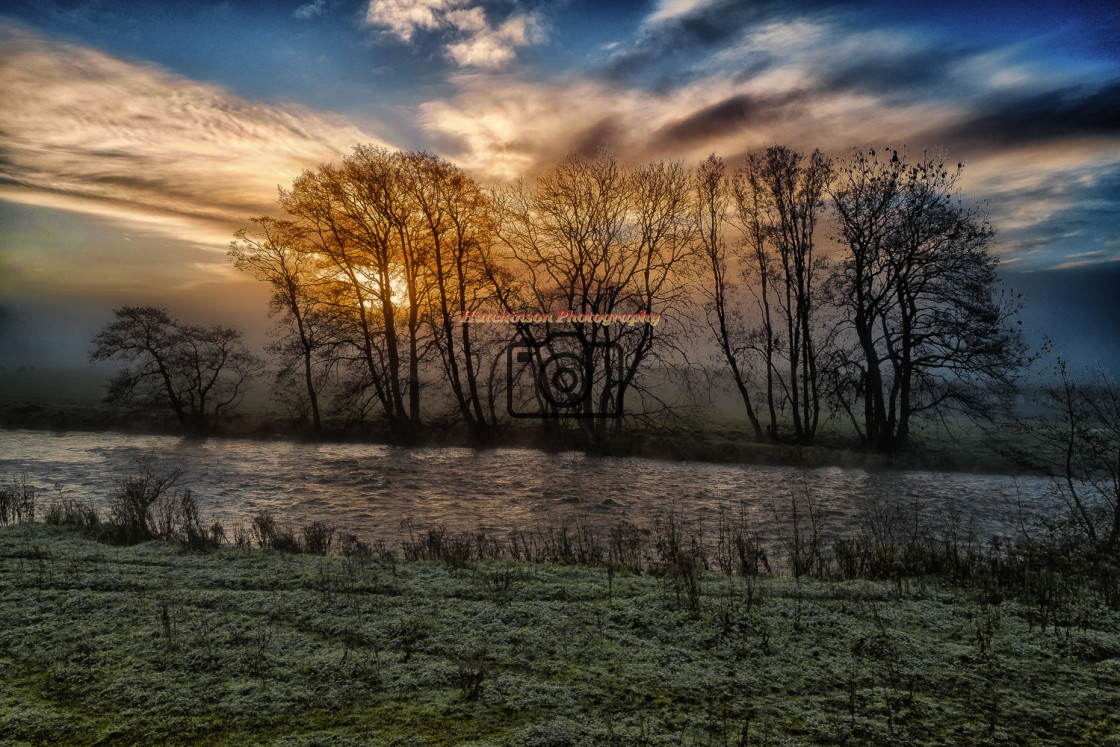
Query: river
[{"x": 370, "y": 489}]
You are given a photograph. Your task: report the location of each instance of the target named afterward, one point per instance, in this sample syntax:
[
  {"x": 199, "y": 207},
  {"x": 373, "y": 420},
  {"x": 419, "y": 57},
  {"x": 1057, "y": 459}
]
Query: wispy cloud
[
  {"x": 671, "y": 10},
  {"x": 310, "y": 10},
  {"x": 470, "y": 39},
  {"x": 89, "y": 132},
  {"x": 1031, "y": 133},
  {"x": 501, "y": 126}
]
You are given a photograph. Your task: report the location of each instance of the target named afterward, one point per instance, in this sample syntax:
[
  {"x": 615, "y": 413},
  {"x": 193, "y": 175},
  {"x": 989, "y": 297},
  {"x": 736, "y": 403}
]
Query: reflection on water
[{"x": 370, "y": 489}]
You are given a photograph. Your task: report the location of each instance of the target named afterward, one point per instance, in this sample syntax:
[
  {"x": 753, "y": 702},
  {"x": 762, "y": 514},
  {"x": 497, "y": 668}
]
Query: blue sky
[{"x": 136, "y": 137}]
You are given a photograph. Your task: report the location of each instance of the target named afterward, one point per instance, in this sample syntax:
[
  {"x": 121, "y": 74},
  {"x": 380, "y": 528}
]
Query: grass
[{"x": 156, "y": 644}]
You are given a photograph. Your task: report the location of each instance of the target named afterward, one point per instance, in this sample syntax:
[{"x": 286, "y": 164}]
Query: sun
[{"x": 372, "y": 287}]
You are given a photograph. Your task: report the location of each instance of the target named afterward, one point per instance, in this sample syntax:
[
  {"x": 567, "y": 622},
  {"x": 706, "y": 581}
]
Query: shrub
[
  {"x": 132, "y": 507},
  {"x": 17, "y": 501},
  {"x": 146, "y": 507},
  {"x": 179, "y": 520},
  {"x": 263, "y": 529},
  {"x": 69, "y": 512},
  {"x": 317, "y": 537},
  {"x": 241, "y": 537},
  {"x": 285, "y": 540},
  {"x": 352, "y": 547}
]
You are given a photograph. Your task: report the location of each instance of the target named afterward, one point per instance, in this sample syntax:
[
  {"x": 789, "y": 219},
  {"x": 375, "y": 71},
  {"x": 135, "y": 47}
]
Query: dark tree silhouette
[
  {"x": 595, "y": 236},
  {"x": 359, "y": 218},
  {"x": 276, "y": 253},
  {"x": 456, "y": 224},
  {"x": 198, "y": 372},
  {"x": 918, "y": 284},
  {"x": 724, "y": 319},
  {"x": 778, "y": 199}
]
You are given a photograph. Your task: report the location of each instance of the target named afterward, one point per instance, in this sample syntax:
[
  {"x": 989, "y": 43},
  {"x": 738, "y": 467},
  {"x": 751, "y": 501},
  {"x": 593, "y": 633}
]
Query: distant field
[{"x": 156, "y": 645}]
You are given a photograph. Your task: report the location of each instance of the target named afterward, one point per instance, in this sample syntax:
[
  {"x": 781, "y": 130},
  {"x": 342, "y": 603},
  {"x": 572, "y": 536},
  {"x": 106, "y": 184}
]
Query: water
[{"x": 370, "y": 489}]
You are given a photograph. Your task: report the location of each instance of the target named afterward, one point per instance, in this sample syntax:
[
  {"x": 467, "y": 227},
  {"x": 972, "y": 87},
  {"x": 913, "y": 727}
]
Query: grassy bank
[
  {"x": 155, "y": 644},
  {"x": 698, "y": 440}
]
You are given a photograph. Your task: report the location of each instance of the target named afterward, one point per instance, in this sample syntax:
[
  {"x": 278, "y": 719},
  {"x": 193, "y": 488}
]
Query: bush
[
  {"x": 17, "y": 501},
  {"x": 145, "y": 507},
  {"x": 317, "y": 537},
  {"x": 179, "y": 520},
  {"x": 263, "y": 529},
  {"x": 285, "y": 540},
  {"x": 271, "y": 536},
  {"x": 69, "y": 512},
  {"x": 132, "y": 507},
  {"x": 352, "y": 547}
]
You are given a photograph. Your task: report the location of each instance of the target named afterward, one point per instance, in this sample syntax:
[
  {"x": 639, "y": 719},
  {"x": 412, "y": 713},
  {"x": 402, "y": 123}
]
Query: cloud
[
  {"x": 1034, "y": 134},
  {"x": 492, "y": 48},
  {"x": 402, "y": 18},
  {"x": 500, "y": 126},
  {"x": 472, "y": 41},
  {"x": 1053, "y": 204},
  {"x": 673, "y": 43},
  {"x": 672, "y": 10},
  {"x": 730, "y": 116},
  {"x": 1066, "y": 112},
  {"x": 310, "y": 10},
  {"x": 85, "y": 131}
]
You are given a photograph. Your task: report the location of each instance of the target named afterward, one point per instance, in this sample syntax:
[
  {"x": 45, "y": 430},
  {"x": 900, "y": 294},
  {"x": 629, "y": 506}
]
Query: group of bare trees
[
  {"x": 598, "y": 238},
  {"x": 862, "y": 289},
  {"x": 932, "y": 333},
  {"x": 903, "y": 318},
  {"x": 773, "y": 202},
  {"x": 383, "y": 256},
  {"x": 373, "y": 272},
  {"x": 375, "y": 268}
]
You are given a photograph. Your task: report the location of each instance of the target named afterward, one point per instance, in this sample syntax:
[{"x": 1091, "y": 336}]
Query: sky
[{"x": 135, "y": 138}]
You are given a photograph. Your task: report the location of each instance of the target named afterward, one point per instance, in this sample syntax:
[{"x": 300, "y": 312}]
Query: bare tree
[
  {"x": 778, "y": 196},
  {"x": 456, "y": 228},
  {"x": 754, "y": 218},
  {"x": 724, "y": 319},
  {"x": 596, "y": 238},
  {"x": 355, "y": 216},
  {"x": 277, "y": 254},
  {"x": 865, "y": 195},
  {"x": 934, "y": 332},
  {"x": 199, "y": 372}
]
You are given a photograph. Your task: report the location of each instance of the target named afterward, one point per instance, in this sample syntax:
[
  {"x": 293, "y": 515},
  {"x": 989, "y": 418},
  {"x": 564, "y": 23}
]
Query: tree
[
  {"x": 778, "y": 200},
  {"x": 456, "y": 229},
  {"x": 357, "y": 218},
  {"x": 755, "y": 226},
  {"x": 398, "y": 244},
  {"x": 596, "y": 238},
  {"x": 723, "y": 318},
  {"x": 919, "y": 289},
  {"x": 276, "y": 253},
  {"x": 198, "y": 372}
]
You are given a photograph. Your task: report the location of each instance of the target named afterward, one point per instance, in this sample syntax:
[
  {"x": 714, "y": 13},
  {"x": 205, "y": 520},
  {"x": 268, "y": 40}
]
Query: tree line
[{"x": 862, "y": 288}]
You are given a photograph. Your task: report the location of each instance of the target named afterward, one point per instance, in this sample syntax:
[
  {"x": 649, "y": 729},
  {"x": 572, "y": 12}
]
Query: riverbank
[
  {"x": 159, "y": 645},
  {"x": 719, "y": 442}
]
